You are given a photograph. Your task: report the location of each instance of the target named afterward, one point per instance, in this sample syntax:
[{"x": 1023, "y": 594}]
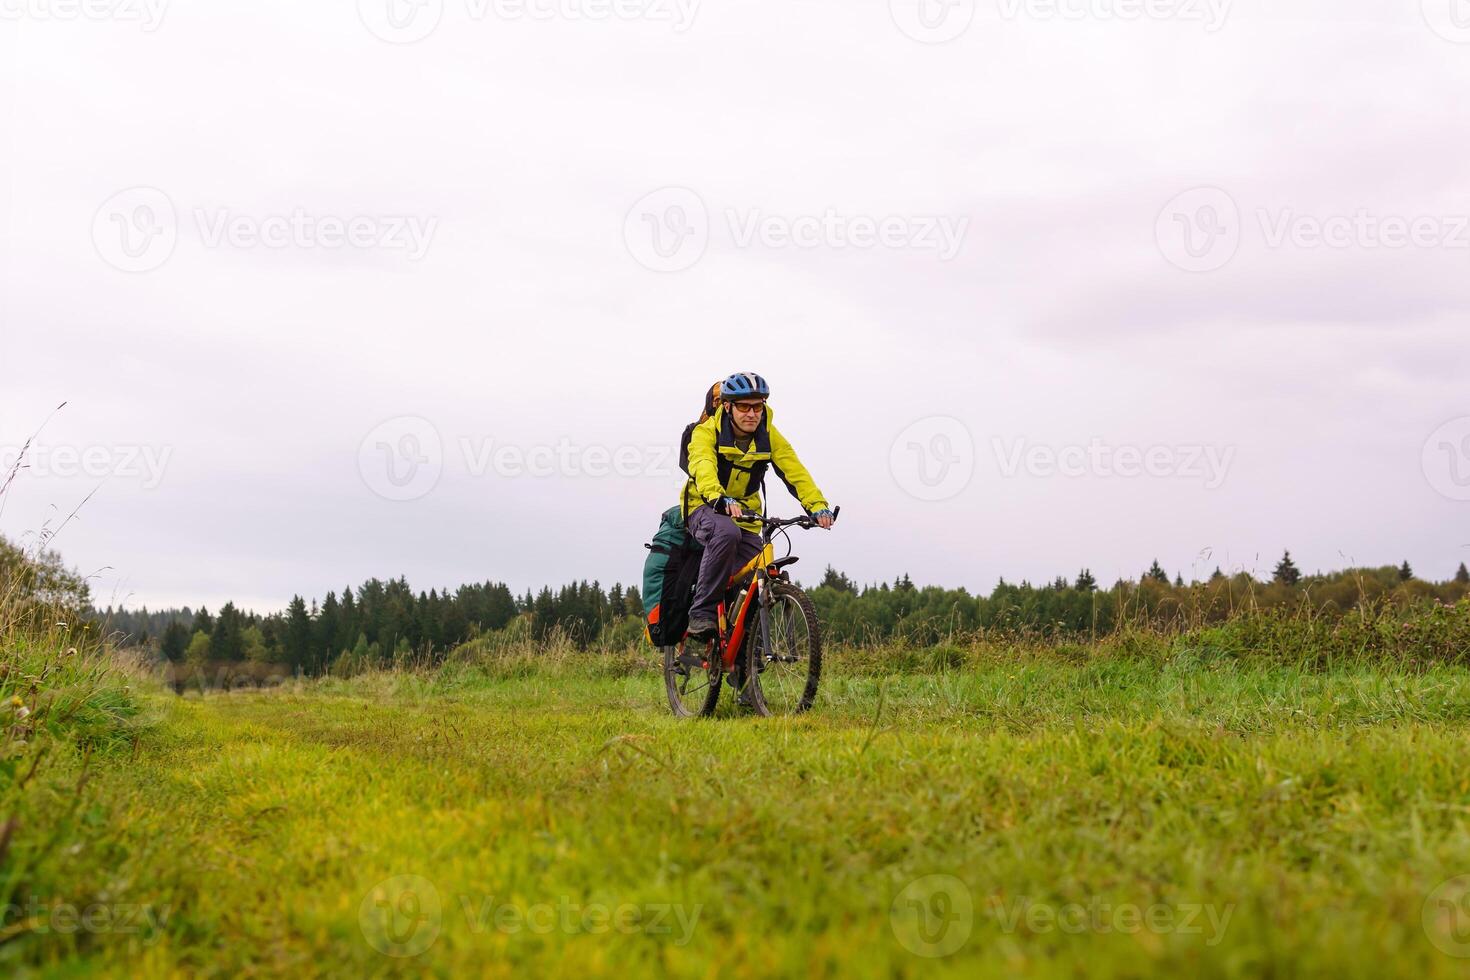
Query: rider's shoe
[{"x": 703, "y": 629}]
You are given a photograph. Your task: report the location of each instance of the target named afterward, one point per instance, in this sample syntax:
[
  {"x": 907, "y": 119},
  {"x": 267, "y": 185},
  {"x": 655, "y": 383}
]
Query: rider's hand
[
  {"x": 824, "y": 518},
  {"x": 732, "y": 507}
]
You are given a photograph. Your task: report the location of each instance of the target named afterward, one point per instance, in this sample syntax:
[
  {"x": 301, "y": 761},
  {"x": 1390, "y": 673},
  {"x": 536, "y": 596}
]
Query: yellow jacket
[{"x": 718, "y": 467}]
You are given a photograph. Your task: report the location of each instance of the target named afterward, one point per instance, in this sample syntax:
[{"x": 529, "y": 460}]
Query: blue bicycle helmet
[{"x": 744, "y": 385}]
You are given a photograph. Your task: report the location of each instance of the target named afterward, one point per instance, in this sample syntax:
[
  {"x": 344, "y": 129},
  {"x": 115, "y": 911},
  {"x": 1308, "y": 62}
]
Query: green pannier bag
[{"x": 670, "y": 574}]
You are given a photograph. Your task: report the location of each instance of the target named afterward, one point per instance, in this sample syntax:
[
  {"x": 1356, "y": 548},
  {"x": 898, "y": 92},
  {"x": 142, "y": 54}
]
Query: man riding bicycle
[{"x": 729, "y": 453}]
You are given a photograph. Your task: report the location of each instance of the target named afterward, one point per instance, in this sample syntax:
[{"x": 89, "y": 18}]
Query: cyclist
[{"x": 729, "y": 454}]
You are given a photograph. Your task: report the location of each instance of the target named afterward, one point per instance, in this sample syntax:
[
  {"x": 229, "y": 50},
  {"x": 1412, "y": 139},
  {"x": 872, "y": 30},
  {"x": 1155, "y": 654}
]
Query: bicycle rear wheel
[
  {"x": 786, "y": 655},
  {"x": 692, "y": 679}
]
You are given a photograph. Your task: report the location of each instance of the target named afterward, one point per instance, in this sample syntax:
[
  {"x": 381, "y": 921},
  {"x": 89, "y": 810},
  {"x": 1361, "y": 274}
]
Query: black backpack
[{"x": 711, "y": 402}]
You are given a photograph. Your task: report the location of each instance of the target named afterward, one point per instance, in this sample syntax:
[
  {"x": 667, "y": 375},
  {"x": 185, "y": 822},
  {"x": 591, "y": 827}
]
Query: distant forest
[{"x": 386, "y": 622}]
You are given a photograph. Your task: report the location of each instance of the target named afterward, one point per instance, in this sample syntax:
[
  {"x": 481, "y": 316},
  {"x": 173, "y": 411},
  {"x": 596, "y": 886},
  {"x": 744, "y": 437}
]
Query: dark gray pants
[{"x": 727, "y": 546}]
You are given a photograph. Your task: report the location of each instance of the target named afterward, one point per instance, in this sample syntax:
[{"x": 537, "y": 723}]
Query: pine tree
[
  {"x": 1463, "y": 575},
  {"x": 298, "y": 635},
  {"x": 1218, "y": 575},
  {"x": 328, "y": 630},
  {"x": 1178, "y": 581},
  {"x": 175, "y": 642},
  {"x": 1405, "y": 572},
  {"x": 1085, "y": 581},
  {"x": 203, "y": 621},
  {"x": 226, "y": 642},
  {"x": 833, "y": 579},
  {"x": 1157, "y": 573},
  {"x": 1286, "y": 571}
]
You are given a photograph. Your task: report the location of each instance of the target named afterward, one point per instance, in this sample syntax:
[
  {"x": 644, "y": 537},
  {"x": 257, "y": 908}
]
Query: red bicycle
[{"x": 769, "y": 651}]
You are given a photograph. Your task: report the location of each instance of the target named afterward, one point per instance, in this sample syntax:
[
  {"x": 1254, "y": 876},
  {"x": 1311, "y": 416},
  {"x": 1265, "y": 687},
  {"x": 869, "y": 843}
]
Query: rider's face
[{"x": 746, "y": 421}]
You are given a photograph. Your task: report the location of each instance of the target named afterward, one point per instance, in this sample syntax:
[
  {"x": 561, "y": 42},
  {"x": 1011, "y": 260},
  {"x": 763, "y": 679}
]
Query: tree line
[
  {"x": 376, "y": 624},
  {"x": 1076, "y": 607},
  {"x": 385, "y": 622}
]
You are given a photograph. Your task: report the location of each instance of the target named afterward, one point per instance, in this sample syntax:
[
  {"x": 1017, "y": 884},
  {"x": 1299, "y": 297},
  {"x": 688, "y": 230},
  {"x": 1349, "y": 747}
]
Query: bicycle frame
[{"x": 761, "y": 567}]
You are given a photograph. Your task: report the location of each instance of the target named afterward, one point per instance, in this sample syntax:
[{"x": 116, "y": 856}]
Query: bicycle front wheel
[{"x": 786, "y": 657}]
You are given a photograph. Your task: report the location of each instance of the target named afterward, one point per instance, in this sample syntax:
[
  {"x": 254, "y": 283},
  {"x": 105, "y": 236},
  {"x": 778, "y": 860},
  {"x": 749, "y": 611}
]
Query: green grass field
[{"x": 1025, "y": 817}]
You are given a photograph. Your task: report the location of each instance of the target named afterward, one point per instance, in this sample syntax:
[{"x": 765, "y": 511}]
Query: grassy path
[{"x": 1032, "y": 820}]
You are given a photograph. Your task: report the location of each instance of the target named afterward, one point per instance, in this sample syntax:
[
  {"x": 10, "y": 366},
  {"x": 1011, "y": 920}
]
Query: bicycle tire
[{"x": 779, "y": 689}]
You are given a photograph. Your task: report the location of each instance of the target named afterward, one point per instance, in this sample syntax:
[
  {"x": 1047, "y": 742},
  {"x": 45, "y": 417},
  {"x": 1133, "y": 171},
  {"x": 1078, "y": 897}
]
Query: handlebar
[{"x": 804, "y": 521}]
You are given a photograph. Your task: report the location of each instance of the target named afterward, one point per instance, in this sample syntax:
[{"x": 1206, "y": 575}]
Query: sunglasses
[{"x": 750, "y": 408}]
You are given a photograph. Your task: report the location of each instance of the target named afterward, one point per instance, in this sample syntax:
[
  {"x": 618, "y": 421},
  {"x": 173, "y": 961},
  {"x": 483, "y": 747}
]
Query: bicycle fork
[{"x": 742, "y": 618}]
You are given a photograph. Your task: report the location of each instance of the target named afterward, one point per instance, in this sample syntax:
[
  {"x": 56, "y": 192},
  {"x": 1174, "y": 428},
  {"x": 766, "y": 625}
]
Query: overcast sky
[{"x": 350, "y": 289}]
